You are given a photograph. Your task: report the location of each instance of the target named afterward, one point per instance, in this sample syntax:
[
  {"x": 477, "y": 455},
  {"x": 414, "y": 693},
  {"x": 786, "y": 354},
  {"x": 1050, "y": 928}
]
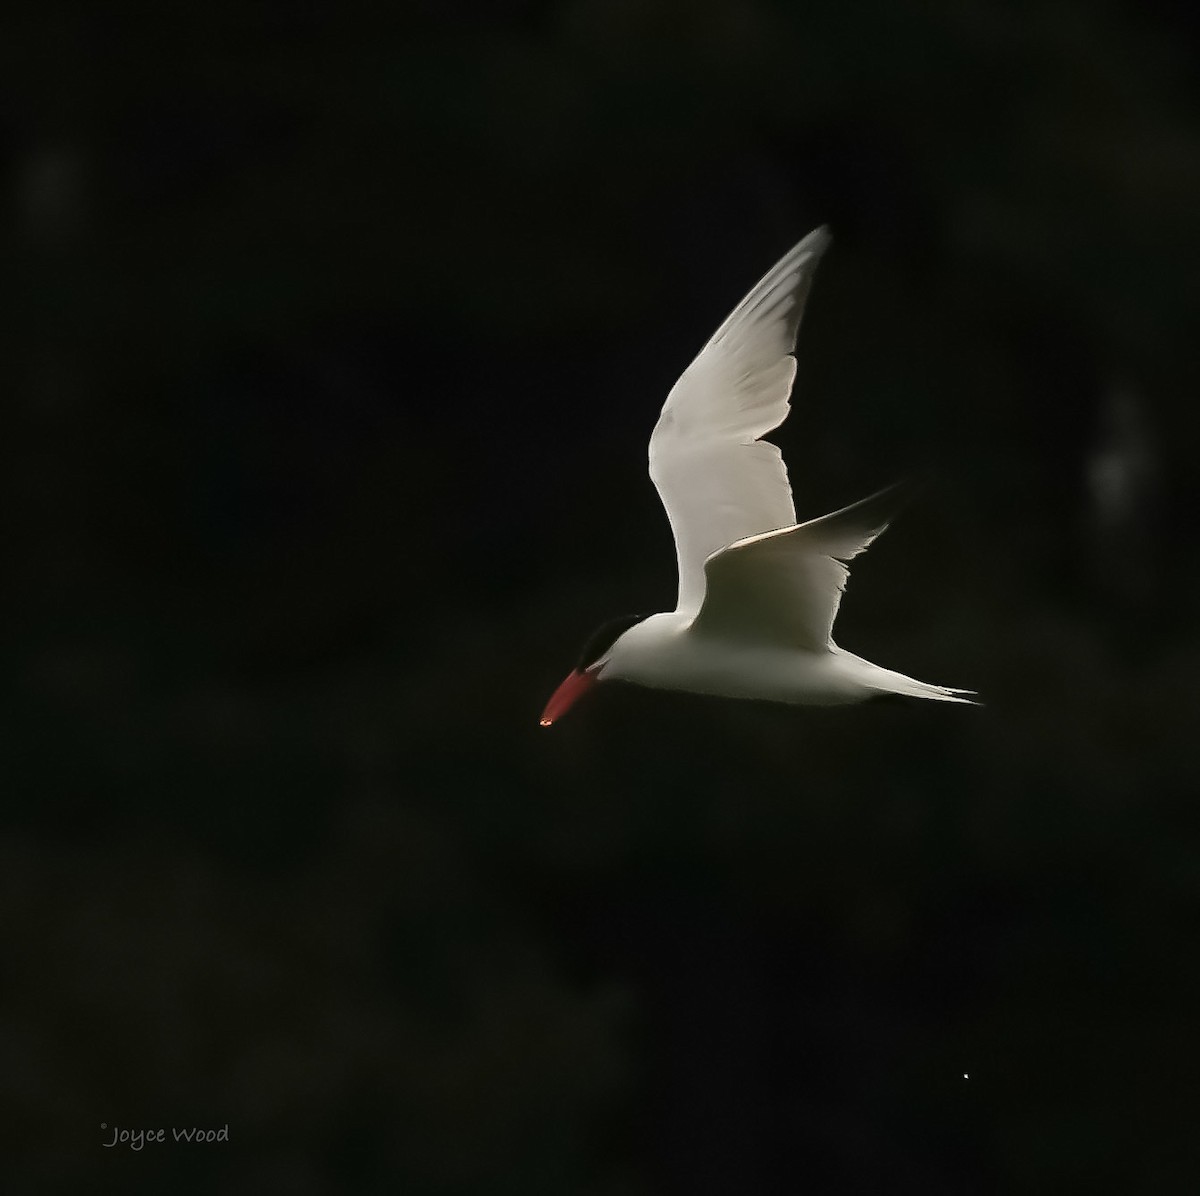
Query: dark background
[{"x": 336, "y": 335}]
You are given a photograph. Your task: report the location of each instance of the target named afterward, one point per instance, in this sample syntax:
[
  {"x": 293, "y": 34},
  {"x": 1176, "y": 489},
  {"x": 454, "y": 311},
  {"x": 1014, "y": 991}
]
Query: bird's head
[{"x": 589, "y": 670}]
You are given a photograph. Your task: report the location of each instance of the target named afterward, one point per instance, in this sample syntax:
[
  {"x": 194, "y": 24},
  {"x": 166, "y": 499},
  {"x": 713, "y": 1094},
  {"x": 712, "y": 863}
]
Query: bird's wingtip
[{"x": 818, "y": 240}]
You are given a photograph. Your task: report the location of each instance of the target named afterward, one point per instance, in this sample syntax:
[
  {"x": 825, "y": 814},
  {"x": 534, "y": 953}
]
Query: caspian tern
[{"x": 758, "y": 592}]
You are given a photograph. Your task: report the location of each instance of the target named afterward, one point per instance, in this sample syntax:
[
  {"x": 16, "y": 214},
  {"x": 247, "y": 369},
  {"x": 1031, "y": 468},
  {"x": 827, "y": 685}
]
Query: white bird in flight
[{"x": 758, "y": 592}]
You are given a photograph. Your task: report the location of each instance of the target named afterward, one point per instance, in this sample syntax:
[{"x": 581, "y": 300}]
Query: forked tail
[
  {"x": 888, "y": 682},
  {"x": 936, "y": 693}
]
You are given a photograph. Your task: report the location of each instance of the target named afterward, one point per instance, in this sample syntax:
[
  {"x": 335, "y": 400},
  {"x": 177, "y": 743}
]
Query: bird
[{"x": 758, "y": 591}]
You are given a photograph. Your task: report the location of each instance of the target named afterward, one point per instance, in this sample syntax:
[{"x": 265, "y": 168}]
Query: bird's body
[
  {"x": 758, "y": 592},
  {"x": 662, "y": 652}
]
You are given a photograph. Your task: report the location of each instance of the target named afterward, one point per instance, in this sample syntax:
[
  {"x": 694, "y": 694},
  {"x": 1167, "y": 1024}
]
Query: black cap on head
[{"x": 604, "y": 637}]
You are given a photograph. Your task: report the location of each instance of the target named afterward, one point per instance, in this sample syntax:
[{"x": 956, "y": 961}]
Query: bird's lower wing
[{"x": 784, "y": 587}]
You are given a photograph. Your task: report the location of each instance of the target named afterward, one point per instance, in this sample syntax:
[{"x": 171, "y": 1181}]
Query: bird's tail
[
  {"x": 888, "y": 682},
  {"x": 936, "y": 693}
]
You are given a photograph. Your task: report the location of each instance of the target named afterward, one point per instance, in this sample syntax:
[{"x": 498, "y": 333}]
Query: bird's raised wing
[
  {"x": 783, "y": 587},
  {"x": 717, "y": 480}
]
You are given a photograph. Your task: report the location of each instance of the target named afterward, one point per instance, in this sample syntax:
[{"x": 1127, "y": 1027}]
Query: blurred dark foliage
[{"x": 337, "y": 332}]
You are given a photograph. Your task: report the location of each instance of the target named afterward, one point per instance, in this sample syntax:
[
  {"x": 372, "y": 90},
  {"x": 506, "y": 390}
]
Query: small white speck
[{"x": 965, "y": 1076}]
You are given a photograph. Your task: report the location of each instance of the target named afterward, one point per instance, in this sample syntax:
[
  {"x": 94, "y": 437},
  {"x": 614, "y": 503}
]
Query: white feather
[{"x": 717, "y": 480}]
